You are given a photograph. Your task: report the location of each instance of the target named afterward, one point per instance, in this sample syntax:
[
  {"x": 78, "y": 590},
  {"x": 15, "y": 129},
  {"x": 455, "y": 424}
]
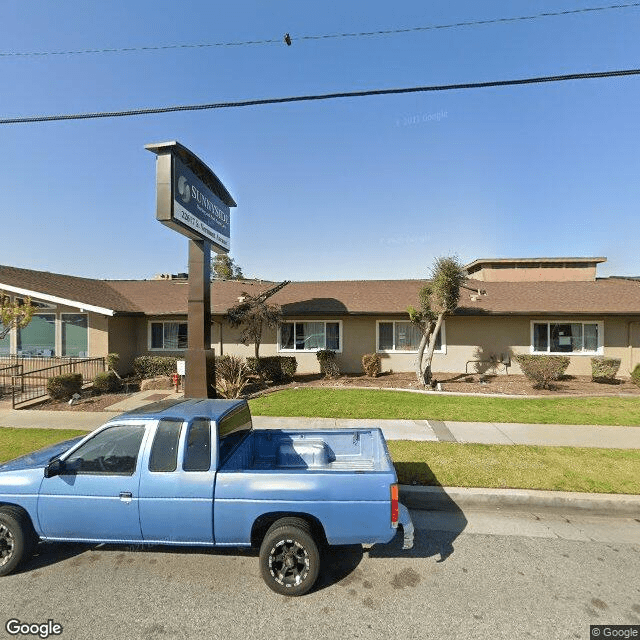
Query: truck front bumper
[{"x": 404, "y": 520}]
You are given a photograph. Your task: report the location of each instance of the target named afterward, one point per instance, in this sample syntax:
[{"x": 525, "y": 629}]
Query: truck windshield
[{"x": 232, "y": 429}]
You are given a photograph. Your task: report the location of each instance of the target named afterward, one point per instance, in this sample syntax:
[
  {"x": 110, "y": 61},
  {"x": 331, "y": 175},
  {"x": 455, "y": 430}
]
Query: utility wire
[
  {"x": 323, "y": 96},
  {"x": 361, "y": 34}
]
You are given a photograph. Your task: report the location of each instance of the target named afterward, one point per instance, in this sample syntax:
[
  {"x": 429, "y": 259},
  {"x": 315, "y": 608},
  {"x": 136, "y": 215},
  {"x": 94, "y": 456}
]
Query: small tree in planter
[{"x": 437, "y": 299}]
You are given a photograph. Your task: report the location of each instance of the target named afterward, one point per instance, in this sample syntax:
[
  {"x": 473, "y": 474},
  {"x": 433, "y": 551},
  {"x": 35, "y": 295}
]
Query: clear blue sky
[{"x": 361, "y": 188}]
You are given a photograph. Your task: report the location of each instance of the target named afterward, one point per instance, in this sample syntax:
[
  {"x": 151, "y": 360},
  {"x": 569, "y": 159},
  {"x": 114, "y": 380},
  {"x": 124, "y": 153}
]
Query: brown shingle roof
[
  {"x": 337, "y": 298},
  {"x": 86, "y": 290}
]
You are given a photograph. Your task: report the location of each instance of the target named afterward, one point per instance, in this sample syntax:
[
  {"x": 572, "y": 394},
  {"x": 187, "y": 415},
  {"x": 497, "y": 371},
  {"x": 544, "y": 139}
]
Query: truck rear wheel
[
  {"x": 14, "y": 540},
  {"x": 289, "y": 558}
]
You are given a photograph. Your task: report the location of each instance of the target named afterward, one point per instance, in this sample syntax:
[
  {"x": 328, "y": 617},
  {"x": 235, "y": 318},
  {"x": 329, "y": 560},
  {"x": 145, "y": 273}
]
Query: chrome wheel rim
[
  {"x": 289, "y": 563},
  {"x": 6, "y": 545}
]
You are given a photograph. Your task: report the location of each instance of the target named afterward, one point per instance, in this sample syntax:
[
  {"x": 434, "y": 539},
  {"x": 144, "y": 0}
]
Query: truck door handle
[{"x": 126, "y": 496}]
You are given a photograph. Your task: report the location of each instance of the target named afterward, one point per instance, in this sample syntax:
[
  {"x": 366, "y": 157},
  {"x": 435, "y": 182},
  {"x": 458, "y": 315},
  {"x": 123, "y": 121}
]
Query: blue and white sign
[{"x": 196, "y": 207}]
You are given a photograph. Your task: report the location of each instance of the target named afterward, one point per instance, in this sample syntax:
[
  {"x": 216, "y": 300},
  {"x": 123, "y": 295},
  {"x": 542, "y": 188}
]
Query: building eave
[{"x": 82, "y": 306}]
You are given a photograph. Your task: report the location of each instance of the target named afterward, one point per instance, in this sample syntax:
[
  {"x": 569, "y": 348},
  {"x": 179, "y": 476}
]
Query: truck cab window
[
  {"x": 113, "y": 451},
  {"x": 197, "y": 451},
  {"x": 164, "y": 450},
  {"x": 232, "y": 429}
]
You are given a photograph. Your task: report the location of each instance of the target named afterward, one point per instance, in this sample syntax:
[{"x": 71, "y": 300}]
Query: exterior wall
[
  {"x": 622, "y": 336},
  {"x": 535, "y": 274},
  {"x": 467, "y": 339},
  {"x": 123, "y": 340},
  {"x": 98, "y": 335}
]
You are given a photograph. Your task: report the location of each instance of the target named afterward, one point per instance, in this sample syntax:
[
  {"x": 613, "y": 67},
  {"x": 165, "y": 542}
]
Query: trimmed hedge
[
  {"x": 635, "y": 375},
  {"x": 371, "y": 365},
  {"x": 274, "y": 368},
  {"x": 153, "y": 366},
  {"x": 604, "y": 369},
  {"x": 542, "y": 370},
  {"x": 112, "y": 361},
  {"x": 328, "y": 365},
  {"x": 107, "y": 382},
  {"x": 64, "y": 386}
]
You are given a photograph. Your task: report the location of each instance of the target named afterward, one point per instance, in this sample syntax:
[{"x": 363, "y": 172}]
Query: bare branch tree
[{"x": 253, "y": 313}]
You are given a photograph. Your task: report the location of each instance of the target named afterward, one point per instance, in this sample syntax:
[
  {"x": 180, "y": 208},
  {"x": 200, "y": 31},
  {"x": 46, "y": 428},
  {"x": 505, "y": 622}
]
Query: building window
[
  {"x": 567, "y": 337},
  {"x": 75, "y": 335},
  {"x": 310, "y": 336},
  {"x": 38, "y": 338},
  {"x": 169, "y": 336},
  {"x": 404, "y": 337},
  {"x": 5, "y": 343}
]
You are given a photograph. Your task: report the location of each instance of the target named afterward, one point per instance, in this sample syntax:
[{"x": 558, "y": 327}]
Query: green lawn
[
  {"x": 456, "y": 465},
  {"x": 398, "y": 405},
  {"x": 16, "y": 442},
  {"x": 517, "y": 467}
]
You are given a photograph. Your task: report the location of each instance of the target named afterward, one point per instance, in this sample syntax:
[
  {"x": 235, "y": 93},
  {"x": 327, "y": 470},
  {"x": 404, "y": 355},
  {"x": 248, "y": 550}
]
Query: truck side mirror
[{"x": 54, "y": 468}]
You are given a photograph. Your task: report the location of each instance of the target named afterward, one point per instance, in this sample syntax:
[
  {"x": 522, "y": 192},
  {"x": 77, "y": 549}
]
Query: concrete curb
[{"x": 459, "y": 499}]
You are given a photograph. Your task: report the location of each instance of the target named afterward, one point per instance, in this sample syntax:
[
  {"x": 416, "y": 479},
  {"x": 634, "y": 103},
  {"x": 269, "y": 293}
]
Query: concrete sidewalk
[
  {"x": 609, "y": 437},
  {"x": 428, "y": 498}
]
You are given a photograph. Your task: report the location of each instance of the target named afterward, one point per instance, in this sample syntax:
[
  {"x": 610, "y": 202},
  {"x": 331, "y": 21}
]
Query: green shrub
[
  {"x": 604, "y": 369},
  {"x": 635, "y": 375},
  {"x": 112, "y": 360},
  {"x": 152, "y": 366},
  {"x": 371, "y": 364},
  {"x": 542, "y": 370},
  {"x": 107, "y": 382},
  {"x": 328, "y": 365},
  {"x": 275, "y": 368},
  {"x": 64, "y": 386},
  {"x": 232, "y": 376}
]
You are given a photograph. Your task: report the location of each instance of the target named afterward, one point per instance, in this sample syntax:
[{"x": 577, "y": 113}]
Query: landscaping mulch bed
[
  {"x": 518, "y": 385},
  {"x": 88, "y": 402},
  {"x": 462, "y": 383}
]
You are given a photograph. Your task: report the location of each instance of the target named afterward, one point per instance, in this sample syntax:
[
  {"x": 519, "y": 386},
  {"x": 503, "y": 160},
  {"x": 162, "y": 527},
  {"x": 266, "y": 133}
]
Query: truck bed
[{"x": 330, "y": 450}]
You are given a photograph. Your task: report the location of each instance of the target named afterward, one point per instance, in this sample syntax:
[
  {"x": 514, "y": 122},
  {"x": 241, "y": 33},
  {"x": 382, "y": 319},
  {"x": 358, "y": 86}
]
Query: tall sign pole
[{"x": 192, "y": 201}]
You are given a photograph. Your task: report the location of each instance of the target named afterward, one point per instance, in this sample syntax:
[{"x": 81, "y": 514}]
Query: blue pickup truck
[{"x": 195, "y": 472}]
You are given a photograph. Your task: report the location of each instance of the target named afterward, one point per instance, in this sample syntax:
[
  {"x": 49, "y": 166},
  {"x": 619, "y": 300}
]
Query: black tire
[
  {"x": 14, "y": 540},
  {"x": 289, "y": 558}
]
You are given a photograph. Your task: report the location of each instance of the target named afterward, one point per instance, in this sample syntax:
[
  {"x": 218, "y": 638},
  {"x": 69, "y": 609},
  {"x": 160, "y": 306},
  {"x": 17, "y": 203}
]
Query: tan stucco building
[{"x": 508, "y": 306}]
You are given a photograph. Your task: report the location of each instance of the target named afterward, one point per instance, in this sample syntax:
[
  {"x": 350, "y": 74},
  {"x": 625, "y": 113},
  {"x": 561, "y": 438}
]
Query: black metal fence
[
  {"x": 29, "y": 383},
  {"x": 7, "y": 373}
]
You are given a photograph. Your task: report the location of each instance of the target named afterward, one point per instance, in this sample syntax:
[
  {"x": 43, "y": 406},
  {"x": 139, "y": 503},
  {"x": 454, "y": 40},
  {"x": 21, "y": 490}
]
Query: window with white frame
[
  {"x": 404, "y": 337},
  {"x": 168, "y": 336},
  {"x": 310, "y": 335},
  {"x": 567, "y": 337}
]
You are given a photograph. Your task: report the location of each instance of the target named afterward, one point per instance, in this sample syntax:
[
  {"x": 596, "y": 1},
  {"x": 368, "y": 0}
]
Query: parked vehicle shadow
[
  {"x": 50, "y": 553},
  {"x": 437, "y": 519}
]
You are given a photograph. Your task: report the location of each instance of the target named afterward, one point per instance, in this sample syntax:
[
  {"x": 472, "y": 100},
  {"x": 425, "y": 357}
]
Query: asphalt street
[{"x": 484, "y": 574}]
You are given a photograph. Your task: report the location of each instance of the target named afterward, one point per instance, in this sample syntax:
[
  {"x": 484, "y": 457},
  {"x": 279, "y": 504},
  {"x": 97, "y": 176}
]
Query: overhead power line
[
  {"x": 323, "y": 96},
  {"x": 288, "y": 39}
]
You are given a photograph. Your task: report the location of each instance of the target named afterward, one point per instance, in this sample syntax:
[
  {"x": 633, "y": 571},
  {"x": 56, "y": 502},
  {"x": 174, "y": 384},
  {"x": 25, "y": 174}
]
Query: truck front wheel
[
  {"x": 289, "y": 558},
  {"x": 14, "y": 540}
]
